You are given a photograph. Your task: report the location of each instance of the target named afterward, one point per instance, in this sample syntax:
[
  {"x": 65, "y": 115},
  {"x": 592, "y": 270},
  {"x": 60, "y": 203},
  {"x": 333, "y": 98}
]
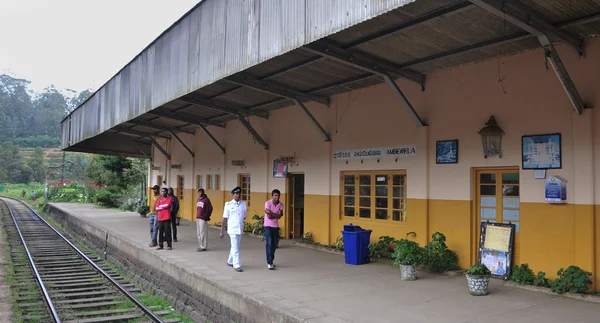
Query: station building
[{"x": 375, "y": 110}]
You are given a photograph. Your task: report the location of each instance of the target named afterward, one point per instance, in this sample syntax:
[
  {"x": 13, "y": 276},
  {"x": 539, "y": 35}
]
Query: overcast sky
[{"x": 79, "y": 44}]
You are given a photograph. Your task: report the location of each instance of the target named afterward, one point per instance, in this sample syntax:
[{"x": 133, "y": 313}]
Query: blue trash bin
[{"x": 356, "y": 244}]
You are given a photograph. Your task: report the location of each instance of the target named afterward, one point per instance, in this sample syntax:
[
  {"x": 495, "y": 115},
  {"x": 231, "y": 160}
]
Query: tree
[
  {"x": 51, "y": 107},
  {"x": 16, "y": 108},
  {"x": 14, "y": 170},
  {"x": 79, "y": 99},
  {"x": 37, "y": 165}
]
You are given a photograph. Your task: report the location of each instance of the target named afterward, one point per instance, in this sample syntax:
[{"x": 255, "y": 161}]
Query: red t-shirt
[{"x": 163, "y": 205}]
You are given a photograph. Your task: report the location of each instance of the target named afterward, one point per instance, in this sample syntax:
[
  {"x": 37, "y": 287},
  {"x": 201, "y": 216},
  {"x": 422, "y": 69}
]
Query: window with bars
[
  {"x": 180, "y": 187},
  {"x": 377, "y": 195},
  {"x": 244, "y": 183}
]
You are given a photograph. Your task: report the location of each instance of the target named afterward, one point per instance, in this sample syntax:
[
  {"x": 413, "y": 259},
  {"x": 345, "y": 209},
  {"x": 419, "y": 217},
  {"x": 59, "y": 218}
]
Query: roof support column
[
  {"x": 160, "y": 148},
  {"x": 404, "y": 100},
  {"x": 314, "y": 121},
  {"x": 255, "y": 134},
  {"x": 182, "y": 143},
  {"x": 562, "y": 74},
  {"x": 213, "y": 138}
]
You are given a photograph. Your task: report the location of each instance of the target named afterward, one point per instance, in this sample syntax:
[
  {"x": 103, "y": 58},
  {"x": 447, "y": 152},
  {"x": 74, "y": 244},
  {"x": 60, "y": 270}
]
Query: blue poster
[
  {"x": 542, "y": 152},
  {"x": 446, "y": 152}
]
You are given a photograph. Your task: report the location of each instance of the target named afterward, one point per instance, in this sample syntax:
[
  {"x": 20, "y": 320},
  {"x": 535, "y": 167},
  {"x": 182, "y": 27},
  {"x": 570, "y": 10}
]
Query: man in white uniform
[{"x": 234, "y": 214}]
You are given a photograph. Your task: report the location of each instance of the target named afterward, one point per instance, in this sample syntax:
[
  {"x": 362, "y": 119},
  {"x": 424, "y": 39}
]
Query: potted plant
[
  {"x": 478, "y": 277},
  {"x": 143, "y": 209},
  {"x": 409, "y": 256}
]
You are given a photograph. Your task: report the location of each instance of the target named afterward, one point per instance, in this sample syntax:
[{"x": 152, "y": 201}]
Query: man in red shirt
[{"x": 163, "y": 206}]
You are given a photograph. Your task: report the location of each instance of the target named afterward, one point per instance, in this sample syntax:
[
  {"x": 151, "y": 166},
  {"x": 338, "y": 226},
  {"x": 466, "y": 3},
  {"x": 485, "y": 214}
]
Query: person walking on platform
[
  {"x": 154, "y": 216},
  {"x": 273, "y": 212},
  {"x": 174, "y": 212},
  {"x": 204, "y": 210},
  {"x": 163, "y": 206},
  {"x": 234, "y": 214}
]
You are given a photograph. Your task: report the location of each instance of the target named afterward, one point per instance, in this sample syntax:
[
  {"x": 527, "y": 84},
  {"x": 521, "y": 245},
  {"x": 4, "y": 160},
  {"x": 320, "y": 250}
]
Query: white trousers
[
  {"x": 202, "y": 232},
  {"x": 234, "y": 252}
]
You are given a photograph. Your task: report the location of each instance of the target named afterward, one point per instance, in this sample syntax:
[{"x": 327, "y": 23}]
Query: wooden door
[{"x": 498, "y": 200}]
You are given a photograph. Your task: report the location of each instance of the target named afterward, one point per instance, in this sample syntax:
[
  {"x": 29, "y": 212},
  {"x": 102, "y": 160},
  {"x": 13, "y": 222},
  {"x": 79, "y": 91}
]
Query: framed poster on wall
[
  {"x": 280, "y": 168},
  {"x": 496, "y": 247},
  {"x": 542, "y": 151},
  {"x": 446, "y": 152}
]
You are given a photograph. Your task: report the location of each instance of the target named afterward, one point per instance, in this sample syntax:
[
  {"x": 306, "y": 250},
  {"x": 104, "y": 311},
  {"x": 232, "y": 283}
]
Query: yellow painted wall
[
  {"x": 453, "y": 219},
  {"x": 455, "y": 104}
]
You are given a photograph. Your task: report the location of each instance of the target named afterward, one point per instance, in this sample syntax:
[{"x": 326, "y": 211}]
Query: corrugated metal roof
[{"x": 220, "y": 38}]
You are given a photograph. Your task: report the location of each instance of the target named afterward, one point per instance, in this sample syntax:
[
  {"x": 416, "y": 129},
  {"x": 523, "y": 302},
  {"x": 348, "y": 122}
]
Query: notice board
[{"x": 496, "y": 247}]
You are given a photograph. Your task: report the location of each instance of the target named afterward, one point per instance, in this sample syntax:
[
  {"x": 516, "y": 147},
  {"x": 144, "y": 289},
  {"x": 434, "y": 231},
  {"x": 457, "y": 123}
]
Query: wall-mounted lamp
[{"x": 491, "y": 138}]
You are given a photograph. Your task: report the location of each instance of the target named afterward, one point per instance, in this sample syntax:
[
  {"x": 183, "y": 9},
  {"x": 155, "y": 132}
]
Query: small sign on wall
[
  {"x": 237, "y": 162},
  {"x": 555, "y": 190}
]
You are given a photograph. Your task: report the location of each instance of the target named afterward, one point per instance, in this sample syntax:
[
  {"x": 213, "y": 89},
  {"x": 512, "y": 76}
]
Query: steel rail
[
  {"x": 132, "y": 298},
  {"x": 38, "y": 278}
]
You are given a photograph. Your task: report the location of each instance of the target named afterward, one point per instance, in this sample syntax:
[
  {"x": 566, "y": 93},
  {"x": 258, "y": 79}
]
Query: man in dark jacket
[
  {"x": 203, "y": 212},
  {"x": 174, "y": 213}
]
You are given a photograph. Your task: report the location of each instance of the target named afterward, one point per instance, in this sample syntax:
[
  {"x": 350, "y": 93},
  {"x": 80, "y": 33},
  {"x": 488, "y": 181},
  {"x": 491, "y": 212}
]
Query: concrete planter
[
  {"x": 408, "y": 272},
  {"x": 478, "y": 285}
]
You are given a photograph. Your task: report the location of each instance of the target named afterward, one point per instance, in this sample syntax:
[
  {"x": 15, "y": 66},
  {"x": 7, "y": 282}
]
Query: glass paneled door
[{"x": 498, "y": 200}]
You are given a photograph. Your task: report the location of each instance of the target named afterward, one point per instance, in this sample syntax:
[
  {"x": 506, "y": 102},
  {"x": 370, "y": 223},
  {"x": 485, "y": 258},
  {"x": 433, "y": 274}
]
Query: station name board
[{"x": 374, "y": 153}]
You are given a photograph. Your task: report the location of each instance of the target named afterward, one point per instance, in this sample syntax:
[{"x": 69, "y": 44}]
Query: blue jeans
[
  {"x": 272, "y": 239},
  {"x": 153, "y": 229}
]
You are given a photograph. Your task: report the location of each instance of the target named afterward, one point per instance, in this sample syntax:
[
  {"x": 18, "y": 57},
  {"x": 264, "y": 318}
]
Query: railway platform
[{"x": 310, "y": 285}]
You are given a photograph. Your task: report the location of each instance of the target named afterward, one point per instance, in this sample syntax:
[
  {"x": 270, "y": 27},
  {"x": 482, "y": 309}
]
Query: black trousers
[
  {"x": 164, "y": 232},
  {"x": 174, "y": 226}
]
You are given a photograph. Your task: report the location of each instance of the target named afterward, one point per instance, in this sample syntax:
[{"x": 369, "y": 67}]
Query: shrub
[
  {"x": 522, "y": 275},
  {"x": 574, "y": 280},
  {"x": 130, "y": 207},
  {"x": 541, "y": 280},
  {"x": 437, "y": 257},
  {"x": 308, "y": 238},
  {"x": 258, "y": 227},
  {"x": 479, "y": 270},
  {"x": 408, "y": 252},
  {"x": 381, "y": 249},
  {"x": 109, "y": 197},
  {"x": 338, "y": 244}
]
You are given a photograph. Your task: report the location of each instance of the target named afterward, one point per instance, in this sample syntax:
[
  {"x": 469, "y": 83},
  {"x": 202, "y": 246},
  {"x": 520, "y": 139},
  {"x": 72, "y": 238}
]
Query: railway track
[{"x": 57, "y": 282}]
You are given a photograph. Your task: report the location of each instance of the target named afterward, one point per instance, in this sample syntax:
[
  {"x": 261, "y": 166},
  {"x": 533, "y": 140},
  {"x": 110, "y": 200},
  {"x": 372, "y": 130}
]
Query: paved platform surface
[{"x": 320, "y": 287}]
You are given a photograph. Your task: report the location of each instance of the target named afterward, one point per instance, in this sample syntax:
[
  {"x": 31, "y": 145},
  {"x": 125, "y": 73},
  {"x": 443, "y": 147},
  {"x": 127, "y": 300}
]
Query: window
[
  {"x": 378, "y": 195},
  {"x": 180, "y": 187},
  {"x": 209, "y": 182},
  {"x": 198, "y": 181},
  {"x": 244, "y": 183}
]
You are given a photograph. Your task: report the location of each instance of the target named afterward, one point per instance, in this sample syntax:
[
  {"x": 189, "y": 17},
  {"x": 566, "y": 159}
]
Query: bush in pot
[
  {"x": 478, "y": 277},
  {"x": 143, "y": 209},
  {"x": 409, "y": 256}
]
